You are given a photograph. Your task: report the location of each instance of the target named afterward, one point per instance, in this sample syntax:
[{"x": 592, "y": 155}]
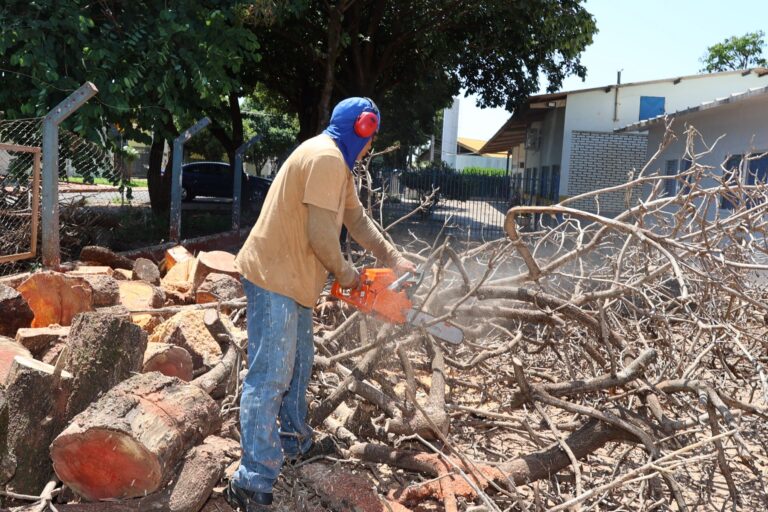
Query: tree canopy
[
  {"x": 735, "y": 53},
  {"x": 160, "y": 66},
  {"x": 413, "y": 57}
]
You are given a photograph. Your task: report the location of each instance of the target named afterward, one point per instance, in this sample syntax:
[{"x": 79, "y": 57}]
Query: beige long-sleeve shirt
[{"x": 295, "y": 242}]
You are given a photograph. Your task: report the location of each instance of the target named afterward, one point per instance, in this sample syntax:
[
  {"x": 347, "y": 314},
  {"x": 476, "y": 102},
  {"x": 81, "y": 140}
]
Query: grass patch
[{"x": 135, "y": 182}]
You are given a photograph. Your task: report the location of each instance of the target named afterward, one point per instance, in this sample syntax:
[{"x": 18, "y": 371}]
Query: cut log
[
  {"x": 127, "y": 443},
  {"x": 201, "y": 470},
  {"x": 104, "y": 256},
  {"x": 139, "y": 295},
  {"x": 219, "y": 262},
  {"x": 15, "y": 313},
  {"x": 39, "y": 339},
  {"x": 8, "y": 350},
  {"x": 177, "y": 283},
  {"x": 218, "y": 287},
  {"x": 170, "y": 360},
  {"x": 7, "y": 459},
  {"x": 176, "y": 255},
  {"x": 103, "y": 350},
  {"x": 215, "y": 381},
  {"x": 104, "y": 289},
  {"x": 51, "y": 355},
  {"x": 146, "y": 270},
  {"x": 187, "y": 329},
  {"x": 37, "y": 396},
  {"x": 122, "y": 274},
  {"x": 88, "y": 270},
  {"x": 56, "y": 298},
  {"x": 181, "y": 272}
]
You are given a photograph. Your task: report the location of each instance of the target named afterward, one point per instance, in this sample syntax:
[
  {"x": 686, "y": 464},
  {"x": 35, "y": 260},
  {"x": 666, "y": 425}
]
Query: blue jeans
[{"x": 280, "y": 355}]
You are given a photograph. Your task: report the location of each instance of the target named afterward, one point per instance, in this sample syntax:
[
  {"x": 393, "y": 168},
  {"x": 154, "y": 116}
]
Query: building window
[
  {"x": 685, "y": 164},
  {"x": 670, "y": 186},
  {"x": 554, "y": 184},
  {"x": 651, "y": 106},
  {"x": 730, "y": 178},
  {"x": 544, "y": 181}
]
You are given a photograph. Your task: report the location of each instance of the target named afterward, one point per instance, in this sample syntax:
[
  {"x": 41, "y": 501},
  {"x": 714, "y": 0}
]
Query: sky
[{"x": 647, "y": 40}]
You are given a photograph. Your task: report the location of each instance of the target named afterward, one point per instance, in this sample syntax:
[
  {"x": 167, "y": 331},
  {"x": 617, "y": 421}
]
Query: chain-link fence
[{"x": 95, "y": 197}]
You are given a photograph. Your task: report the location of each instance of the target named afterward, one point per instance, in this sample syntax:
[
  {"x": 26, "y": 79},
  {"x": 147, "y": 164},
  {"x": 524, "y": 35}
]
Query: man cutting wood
[{"x": 285, "y": 263}]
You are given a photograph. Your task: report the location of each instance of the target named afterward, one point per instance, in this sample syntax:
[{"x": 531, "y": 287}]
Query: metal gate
[
  {"x": 471, "y": 207},
  {"x": 19, "y": 201}
]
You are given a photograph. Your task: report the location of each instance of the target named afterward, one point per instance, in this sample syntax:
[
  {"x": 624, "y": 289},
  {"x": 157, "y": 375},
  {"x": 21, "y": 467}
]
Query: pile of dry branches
[{"x": 608, "y": 362}]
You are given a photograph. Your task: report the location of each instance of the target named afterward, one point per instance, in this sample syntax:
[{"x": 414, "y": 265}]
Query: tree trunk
[
  {"x": 37, "y": 398},
  {"x": 103, "y": 350},
  {"x": 159, "y": 184},
  {"x": 127, "y": 444}
]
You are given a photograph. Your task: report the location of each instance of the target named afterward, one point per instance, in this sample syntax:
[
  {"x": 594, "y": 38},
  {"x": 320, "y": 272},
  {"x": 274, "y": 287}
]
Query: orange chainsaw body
[{"x": 374, "y": 296}]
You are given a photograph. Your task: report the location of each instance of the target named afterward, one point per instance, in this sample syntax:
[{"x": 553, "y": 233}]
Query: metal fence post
[
  {"x": 50, "y": 208},
  {"x": 178, "y": 155},
  {"x": 237, "y": 186}
]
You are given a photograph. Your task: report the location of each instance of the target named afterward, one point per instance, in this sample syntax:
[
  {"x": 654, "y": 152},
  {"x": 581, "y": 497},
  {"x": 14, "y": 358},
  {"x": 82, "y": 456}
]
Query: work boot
[{"x": 244, "y": 500}]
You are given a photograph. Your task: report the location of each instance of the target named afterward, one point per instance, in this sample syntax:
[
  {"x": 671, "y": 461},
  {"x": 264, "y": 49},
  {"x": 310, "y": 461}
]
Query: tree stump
[
  {"x": 39, "y": 339},
  {"x": 104, "y": 256},
  {"x": 219, "y": 262},
  {"x": 170, "y": 360},
  {"x": 218, "y": 287},
  {"x": 127, "y": 443},
  {"x": 15, "y": 313},
  {"x": 103, "y": 350},
  {"x": 37, "y": 398},
  {"x": 187, "y": 329},
  {"x": 56, "y": 298},
  {"x": 146, "y": 270}
]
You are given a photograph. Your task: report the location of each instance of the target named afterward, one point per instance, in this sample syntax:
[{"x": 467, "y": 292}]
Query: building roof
[
  {"x": 475, "y": 145},
  {"x": 737, "y": 97},
  {"x": 512, "y": 132}
]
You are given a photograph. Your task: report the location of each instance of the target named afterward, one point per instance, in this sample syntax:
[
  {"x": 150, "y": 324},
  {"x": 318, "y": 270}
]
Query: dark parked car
[{"x": 214, "y": 179}]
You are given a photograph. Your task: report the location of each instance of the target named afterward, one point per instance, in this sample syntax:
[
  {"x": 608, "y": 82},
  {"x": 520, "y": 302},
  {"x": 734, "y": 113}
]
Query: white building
[
  {"x": 730, "y": 128},
  {"x": 463, "y": 152},
  {"x": 566, "y": 144}
]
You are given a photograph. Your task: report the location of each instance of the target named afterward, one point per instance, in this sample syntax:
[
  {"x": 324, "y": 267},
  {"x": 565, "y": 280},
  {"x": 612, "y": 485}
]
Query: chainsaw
[{"x": 387, "y": 297}]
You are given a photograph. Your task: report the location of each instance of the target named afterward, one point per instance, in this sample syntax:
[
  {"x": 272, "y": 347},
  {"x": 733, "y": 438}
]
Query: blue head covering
[{"x": 342, "y": 127}]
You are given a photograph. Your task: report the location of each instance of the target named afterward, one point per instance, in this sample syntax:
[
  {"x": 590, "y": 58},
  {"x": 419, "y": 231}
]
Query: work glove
[{"x": 349, "y": 277}]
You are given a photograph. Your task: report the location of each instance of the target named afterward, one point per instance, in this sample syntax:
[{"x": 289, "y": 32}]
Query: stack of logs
[{"x": 112, "y": 379}]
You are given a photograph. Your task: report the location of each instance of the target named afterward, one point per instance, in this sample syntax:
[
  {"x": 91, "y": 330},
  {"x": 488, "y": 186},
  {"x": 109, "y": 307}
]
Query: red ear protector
[{"x": 367, "y": 123}]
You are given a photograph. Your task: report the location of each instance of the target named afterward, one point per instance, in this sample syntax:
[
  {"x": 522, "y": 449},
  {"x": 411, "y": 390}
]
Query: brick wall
[{"x": 603, "y": 159}]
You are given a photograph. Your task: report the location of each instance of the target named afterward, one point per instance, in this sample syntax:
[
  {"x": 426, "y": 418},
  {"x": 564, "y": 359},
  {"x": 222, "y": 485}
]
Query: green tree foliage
[
  {"x": 158, "y": 66},
  {"x": 413, "y": 57},
  {"x": 735, "y": 53}
]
